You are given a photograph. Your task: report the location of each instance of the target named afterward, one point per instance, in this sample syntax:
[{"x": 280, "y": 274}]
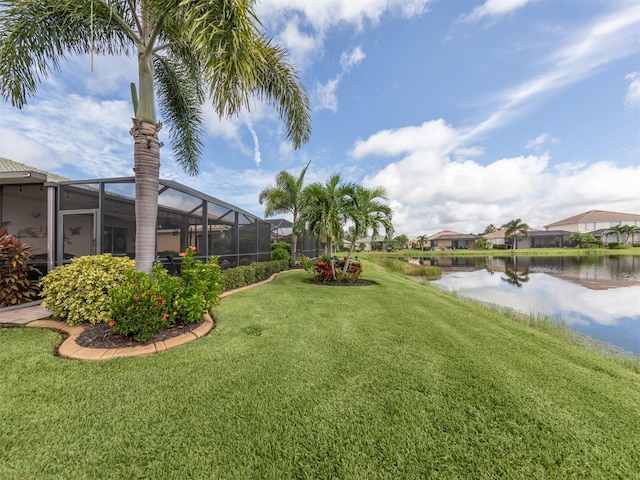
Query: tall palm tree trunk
[{"x": 146, "y": 157}]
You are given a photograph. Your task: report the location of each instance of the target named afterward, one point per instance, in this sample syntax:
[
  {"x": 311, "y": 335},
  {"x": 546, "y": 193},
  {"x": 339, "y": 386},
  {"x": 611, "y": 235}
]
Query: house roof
[
  {"x": 16, "y": 172},
  {"x": 451, "y": 235},
  {"x": 596, "y": 216}
]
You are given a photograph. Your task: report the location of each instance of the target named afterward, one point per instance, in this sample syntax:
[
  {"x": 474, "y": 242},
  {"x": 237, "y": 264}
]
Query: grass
[{"x": 394, "y": 380}]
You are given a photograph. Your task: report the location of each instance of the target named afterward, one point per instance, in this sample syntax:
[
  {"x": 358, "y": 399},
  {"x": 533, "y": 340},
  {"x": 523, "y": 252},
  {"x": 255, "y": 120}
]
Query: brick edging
[{"x": 70, "y": 348}]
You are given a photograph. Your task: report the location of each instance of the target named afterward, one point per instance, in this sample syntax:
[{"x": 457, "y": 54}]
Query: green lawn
[{"x": 395, "y": 380}]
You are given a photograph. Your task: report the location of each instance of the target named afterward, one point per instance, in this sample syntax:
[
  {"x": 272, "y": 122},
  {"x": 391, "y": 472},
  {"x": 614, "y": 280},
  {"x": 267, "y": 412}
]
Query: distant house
[
  {"x": 597, "y": 222},
  {"x": 593, "y": 220},
  {"x": 449, "y": 240},
  {"x": 534, "y": 239},
  {"x": 365, "y": 244}
]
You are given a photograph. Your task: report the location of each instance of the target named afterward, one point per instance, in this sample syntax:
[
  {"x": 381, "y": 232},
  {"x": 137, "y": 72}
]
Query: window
[
  {"x": 614, "y": 224},
  {"x": 589, "y": 226}
]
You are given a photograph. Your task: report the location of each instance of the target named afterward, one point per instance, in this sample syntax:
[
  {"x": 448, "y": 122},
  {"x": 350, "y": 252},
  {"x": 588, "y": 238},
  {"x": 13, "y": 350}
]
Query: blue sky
[{"x": 468, "y": 112}]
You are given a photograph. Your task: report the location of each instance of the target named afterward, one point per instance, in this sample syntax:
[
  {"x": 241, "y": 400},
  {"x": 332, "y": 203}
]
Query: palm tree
[
  {"x": 514, "y": 229},
  {"x": 422, "y": 241},
  {"x": 323, "y": 209},
  {"x": 490, "y": 229},
  {"x": 285, "y": 198},
  {"x": 618, "y": 231},
  {"x": 368, "y": 210},
  {"x": 185, "y": 50}
]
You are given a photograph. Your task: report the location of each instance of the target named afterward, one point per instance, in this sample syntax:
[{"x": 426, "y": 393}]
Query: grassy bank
[{"x": 394, "y": 380}]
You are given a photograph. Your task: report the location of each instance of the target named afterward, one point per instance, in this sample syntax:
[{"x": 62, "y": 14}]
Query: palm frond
[
  {"x": 180, "y": 98},
  {"x": 38, "y": 35}
]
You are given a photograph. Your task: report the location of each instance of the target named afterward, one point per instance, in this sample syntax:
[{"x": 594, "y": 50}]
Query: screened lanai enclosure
[{"x": 88, "y": 217}]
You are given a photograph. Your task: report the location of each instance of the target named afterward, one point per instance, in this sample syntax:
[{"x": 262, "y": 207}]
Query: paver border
[{"x": 70, "y": 349}]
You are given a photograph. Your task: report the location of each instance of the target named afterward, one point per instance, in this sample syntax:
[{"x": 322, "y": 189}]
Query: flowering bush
[
  {"x": 79, "y": 292},
  {"x": 138, "y": 307},
  {"x": 324, "y": 273},
  {"x": 15, "y": 285},
  {"x": 146, "y": 304}
]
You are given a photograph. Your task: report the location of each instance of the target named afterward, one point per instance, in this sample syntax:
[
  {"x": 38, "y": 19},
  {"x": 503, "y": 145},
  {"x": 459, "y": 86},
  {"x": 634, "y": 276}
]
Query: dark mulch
[
  {"x": 102, "y": 335},
  {"x": 357, "y": 283}
]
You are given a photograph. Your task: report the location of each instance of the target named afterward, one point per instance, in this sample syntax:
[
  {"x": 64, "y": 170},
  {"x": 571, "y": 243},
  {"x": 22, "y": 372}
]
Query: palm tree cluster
[
  {"x": 325, "y": 209},
  {"x": 188, "y": 51}
]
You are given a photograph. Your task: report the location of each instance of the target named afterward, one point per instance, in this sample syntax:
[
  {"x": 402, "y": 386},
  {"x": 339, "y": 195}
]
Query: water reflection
[{"x": 598, "y": 296}]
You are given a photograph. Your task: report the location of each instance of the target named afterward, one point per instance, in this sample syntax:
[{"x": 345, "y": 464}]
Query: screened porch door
[{"x": 78, "y": 236}]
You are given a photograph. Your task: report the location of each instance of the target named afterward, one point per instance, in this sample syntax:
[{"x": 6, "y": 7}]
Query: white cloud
[
  {"x": 354, "y": 57},
  {"x": 301, "y": 27},
  {"x": 431, "y": 191},
  {"x": 493, "y": 9},
  {"x": 257, "y": 157},
  {"x": 434, "y": 136},
  {"x": 98, "y": 138},
  {"x": 326, "y": 97},
  {"x": 632, "y": 98},
  {"x": 540, "y": 141},
  {"x": 608, "y": 39}
]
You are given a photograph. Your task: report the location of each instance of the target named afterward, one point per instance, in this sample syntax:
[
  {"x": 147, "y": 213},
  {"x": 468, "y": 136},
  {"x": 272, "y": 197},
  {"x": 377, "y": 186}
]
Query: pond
[{"x": 596, "y": 295}]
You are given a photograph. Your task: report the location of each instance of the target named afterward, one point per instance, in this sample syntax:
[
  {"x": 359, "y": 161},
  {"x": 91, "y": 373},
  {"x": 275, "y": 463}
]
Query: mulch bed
[{"x": 102, "y": 335}]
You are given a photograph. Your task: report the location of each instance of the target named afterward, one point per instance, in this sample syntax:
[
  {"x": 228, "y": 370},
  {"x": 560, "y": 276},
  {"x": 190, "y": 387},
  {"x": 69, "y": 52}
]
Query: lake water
[{"x": 597, "y": 296}]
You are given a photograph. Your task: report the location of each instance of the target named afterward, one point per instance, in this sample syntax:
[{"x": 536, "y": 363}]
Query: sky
[{"x": 469, "y": 113}]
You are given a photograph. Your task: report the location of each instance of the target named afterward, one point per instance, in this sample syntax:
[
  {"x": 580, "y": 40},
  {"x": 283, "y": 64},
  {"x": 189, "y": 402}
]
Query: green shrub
[
  {"x": 617, "y": 245},
  {"x": 78, "y": 292},
  {"x": 501, "y": 246},
  {"x": 146, "y": 304},
  {"x": 306, "y": 263},
  {"x": 244, "y": 275},
  {"x": 15, "y": 285},
  {"x": 281, "y": 251},
  {"x": 139, "y": 306}
]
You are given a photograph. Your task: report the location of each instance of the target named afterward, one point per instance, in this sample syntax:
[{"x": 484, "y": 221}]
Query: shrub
[
  {"x": 146, "y": 304},
  {"x": 15, "y": 285},
  {"x": 139, "y": 308},
  {"x": 306, "y": 263},
  {"x": 617, "y": 245},
  {"x": 324, "y": 273},
  {"x": 501, "y": 246},
  {"x": 78, "y": 292},
  {"x": 244, "y": 275}
]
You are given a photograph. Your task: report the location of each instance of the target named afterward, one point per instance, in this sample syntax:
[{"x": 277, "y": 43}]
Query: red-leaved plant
[{"x": 15, "y": 285}]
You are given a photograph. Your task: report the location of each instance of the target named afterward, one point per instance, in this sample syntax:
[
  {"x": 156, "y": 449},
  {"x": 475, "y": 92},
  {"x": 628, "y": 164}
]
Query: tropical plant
[
  {"x": 482, "y": 243},
  {"x": 15, "y": 285},
  {"x": 584, "y": 240},
  {"x": 79, "y": 292},
  {"x": 514, "y": 229},
  {"x": 285, "y": 197},
  {"x": 144, "y": 304},
  {"x": 186, "y": 50},
  {"x": 422, "y": 240},
  {"x": 324, "y": 209},
  {"x": 369, "y": 211},
  {"x": 281, "y": 251},
  {"x": 491, "y": 228},
  {"x": 619, "y": 231}
]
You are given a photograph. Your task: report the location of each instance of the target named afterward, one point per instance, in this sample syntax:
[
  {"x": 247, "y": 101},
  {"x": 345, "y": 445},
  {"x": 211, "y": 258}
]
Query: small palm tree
[
  {"x": 618, "y": 231},
  {"x": 186, "y": 50},
  {"x": 368, "y": 210},
  {"x": 285, "y": 197},
  {"x": 323, "y": 209},
  {"x": 422, "y": 241},
  {"x": 514, "y": 229}
]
